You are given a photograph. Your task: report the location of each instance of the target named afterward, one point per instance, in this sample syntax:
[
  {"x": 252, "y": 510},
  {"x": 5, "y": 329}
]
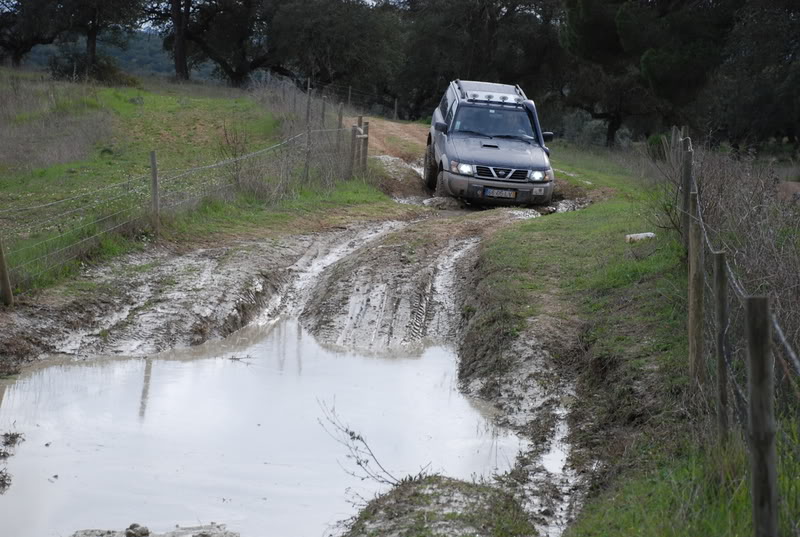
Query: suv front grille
[{"x": 501, "y": 174}]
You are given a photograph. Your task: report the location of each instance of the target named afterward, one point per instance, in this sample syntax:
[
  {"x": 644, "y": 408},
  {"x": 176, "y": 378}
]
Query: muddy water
[{"x": 230, "y": 432}]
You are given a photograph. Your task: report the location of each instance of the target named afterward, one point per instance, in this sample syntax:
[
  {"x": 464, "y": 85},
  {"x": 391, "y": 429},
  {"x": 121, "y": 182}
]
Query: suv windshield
[{"x": 509, "y": 122}]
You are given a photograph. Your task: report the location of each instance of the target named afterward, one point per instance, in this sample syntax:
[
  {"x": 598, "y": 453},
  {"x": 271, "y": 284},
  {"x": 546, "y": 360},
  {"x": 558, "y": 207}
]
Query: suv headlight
[
  {"x": 459, "y": 167},
  {"x": 543, "y": 175}
]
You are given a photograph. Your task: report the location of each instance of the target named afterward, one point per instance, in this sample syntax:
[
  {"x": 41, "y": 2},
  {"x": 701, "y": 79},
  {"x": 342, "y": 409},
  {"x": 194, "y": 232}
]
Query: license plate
[
  {"x": 495, "y": 193},
  {"x": 538, "y": 191}
]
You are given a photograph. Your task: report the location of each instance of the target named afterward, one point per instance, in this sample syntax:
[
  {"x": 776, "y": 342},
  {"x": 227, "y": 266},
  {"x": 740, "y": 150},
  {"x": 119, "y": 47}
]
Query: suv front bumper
[{"x": 489, "y": 191}]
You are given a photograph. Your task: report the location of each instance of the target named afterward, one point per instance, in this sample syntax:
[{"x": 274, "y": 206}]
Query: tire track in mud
[{"x": 383, "y": 298}]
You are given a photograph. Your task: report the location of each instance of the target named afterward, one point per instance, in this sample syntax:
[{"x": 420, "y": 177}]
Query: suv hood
[{"x": 498, "y": 152}]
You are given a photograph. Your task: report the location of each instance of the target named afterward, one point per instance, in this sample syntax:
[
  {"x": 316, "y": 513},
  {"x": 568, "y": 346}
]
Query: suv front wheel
[
  {"x": 441, "y": 190},
  {"x": 430, "y": 168}
]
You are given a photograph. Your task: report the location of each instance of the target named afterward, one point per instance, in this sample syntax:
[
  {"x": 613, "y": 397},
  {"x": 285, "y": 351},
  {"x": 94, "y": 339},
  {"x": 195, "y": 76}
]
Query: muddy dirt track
[{"x": 375, "y": 287}]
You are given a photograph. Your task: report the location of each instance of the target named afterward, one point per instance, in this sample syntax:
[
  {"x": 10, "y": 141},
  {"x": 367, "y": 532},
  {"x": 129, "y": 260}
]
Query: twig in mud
[
  {"x": 244, "y": 359},
  {"x": 12, "y": 439},
  {"x": 357, "y": 449},
  {"x": 5, "y": 480}
]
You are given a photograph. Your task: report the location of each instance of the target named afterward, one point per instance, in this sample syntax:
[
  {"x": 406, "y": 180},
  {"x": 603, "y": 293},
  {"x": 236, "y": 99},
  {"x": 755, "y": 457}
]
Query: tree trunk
[
  {"x": 238, "y": 79},
  {"x": 16, "y": 59},
  {"x": 179, "y": 13},
  {"x": 614, "y": 124},
  {"x": 91, "y": 45}
]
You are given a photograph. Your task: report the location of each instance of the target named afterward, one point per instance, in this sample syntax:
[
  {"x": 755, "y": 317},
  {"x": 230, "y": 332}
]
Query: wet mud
[{"x": 390, "y": 291}]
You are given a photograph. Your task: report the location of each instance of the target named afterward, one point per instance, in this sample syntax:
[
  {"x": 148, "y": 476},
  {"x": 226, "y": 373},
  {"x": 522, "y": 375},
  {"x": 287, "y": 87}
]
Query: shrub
[
  {"x": 656, "y": 147},
  {"x": 73, "y": 65}
]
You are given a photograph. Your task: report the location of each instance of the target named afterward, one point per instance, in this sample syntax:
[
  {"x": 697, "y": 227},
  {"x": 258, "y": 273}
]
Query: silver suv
[{"x": 486, "y": 146}]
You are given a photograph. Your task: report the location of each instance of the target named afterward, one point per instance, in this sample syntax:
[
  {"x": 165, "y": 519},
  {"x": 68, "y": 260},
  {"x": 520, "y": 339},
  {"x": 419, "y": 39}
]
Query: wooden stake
[
  {"x": 353, "y": 142},
  {"x": 763, "y": 456},
  {"x": 339, "y": 133},
  {"x": 155, "y": 195},
  {"x": 697, "y": 370},
  {"x": 686, "y": 190},
  {"x": 5, "y": 279},
  {"x": 722, "y": 310},
  {"x": 365, "y": 149}
]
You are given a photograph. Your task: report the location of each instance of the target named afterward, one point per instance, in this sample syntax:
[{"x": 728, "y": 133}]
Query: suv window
[
  {"x": 450, "y": 113},
  {"x": 493, "y": 121},
  {"x": 443, "y": 104}
]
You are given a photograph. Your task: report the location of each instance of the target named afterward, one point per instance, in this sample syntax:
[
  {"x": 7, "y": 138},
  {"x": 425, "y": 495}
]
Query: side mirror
[
  {"x": 440, "y": 126},
  {"x": 548, "y": 136}
]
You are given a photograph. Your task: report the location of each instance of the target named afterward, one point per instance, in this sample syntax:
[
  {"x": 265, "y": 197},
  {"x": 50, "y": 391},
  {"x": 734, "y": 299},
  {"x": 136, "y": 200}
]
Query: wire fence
[
  {"x": 742, "y": 359},
  {"x": 42, "y": 242}
]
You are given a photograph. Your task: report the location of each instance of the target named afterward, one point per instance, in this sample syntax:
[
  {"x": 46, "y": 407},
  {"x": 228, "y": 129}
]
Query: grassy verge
[
  {"x": 188, "y": 126},
  {"x": 311, "y": 210},
  {"x": 659, "y": 476}
]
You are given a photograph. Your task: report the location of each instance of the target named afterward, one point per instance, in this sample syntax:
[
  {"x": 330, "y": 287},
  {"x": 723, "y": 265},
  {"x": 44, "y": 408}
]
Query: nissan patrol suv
[{"x": 486, "y": 146}]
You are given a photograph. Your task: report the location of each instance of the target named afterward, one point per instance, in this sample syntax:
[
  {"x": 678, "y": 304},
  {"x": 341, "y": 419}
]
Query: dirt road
[{"x": 377, "y": 287}]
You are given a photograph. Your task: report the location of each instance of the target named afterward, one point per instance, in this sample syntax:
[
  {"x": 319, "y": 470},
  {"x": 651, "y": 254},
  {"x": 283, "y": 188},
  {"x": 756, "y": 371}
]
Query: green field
[
  {"x": 84, "y": 195},
  {"x": 665, "y": 473}
]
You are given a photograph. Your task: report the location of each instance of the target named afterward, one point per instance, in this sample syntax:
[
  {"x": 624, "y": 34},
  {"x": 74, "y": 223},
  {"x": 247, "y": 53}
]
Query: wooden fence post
[
  {"x": 324, "y": 106},
  {"x": 308, "y": 103},
  {"x": 686, "y": 190},
  {"x": 339, "y": 133},
  {"x": 722, "y": 307},
  {"x": 360, "y": 144},
  {"x": 365, "y": 148},
  {"x": 352, "y": 160},
  {"x": 155, "y": 194},
  {"x": 349, "y": 95},
  {"x": 395, "y": 108},
  {"x": 307, "y": 164},
  {"x": 762, "y": 419},
  {"x": 697, "y": 368},
  {"x": 5, "y": 279}
]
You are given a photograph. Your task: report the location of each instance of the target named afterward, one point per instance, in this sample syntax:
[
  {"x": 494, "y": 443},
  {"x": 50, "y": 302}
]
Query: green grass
[
  {"x": 700, "y": 493},
  {"x": 663, "y": 478},
  {"x": 247, "y": 214},
  {"x": 185, "y": 131},
  {"x": 186, "y": 126}
]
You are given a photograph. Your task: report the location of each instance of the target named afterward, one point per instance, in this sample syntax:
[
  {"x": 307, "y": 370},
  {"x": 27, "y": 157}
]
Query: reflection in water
[
  {"x": 211, "y": 438},
  {"x": 148, "y": 371}
]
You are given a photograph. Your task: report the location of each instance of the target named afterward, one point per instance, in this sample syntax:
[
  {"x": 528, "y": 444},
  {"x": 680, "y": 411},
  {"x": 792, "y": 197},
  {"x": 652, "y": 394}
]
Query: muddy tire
[
  {"x": 441, "y": 190},
  {"x": 430, "y": 168}
]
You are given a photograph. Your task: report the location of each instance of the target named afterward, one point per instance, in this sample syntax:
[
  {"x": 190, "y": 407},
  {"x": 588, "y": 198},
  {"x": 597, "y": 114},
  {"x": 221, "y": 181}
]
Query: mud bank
[
  {"x": 148, "y": 302},
  {"x": 136, "y": 530}
]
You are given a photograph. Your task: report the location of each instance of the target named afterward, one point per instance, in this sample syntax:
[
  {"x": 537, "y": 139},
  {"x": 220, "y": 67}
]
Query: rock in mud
[
  {"x": 443, "y": 204},
  {"x": 137, "y": 530}
]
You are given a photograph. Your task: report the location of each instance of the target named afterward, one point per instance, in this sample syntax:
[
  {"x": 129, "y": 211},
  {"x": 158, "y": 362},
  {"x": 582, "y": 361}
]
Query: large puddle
[{"x": 230, "y": 432}]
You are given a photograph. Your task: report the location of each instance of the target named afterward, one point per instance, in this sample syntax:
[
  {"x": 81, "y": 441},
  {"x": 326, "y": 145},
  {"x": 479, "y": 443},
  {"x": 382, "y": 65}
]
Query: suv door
[{"x": 439, "y": 137}]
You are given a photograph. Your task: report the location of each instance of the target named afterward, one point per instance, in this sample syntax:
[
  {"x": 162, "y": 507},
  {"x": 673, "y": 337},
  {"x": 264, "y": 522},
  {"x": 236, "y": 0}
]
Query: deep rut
[{"x": 384, "y": 297}]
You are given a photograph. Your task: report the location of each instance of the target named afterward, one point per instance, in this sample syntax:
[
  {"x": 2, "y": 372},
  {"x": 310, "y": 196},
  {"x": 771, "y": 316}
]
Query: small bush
[
  {"x": 656, "y": 147},
  {"x": 72, "y": 65}
]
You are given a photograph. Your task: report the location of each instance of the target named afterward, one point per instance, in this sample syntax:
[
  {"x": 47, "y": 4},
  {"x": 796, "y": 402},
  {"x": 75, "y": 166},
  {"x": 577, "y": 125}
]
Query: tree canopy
[{"x": 728, "y": 68}]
